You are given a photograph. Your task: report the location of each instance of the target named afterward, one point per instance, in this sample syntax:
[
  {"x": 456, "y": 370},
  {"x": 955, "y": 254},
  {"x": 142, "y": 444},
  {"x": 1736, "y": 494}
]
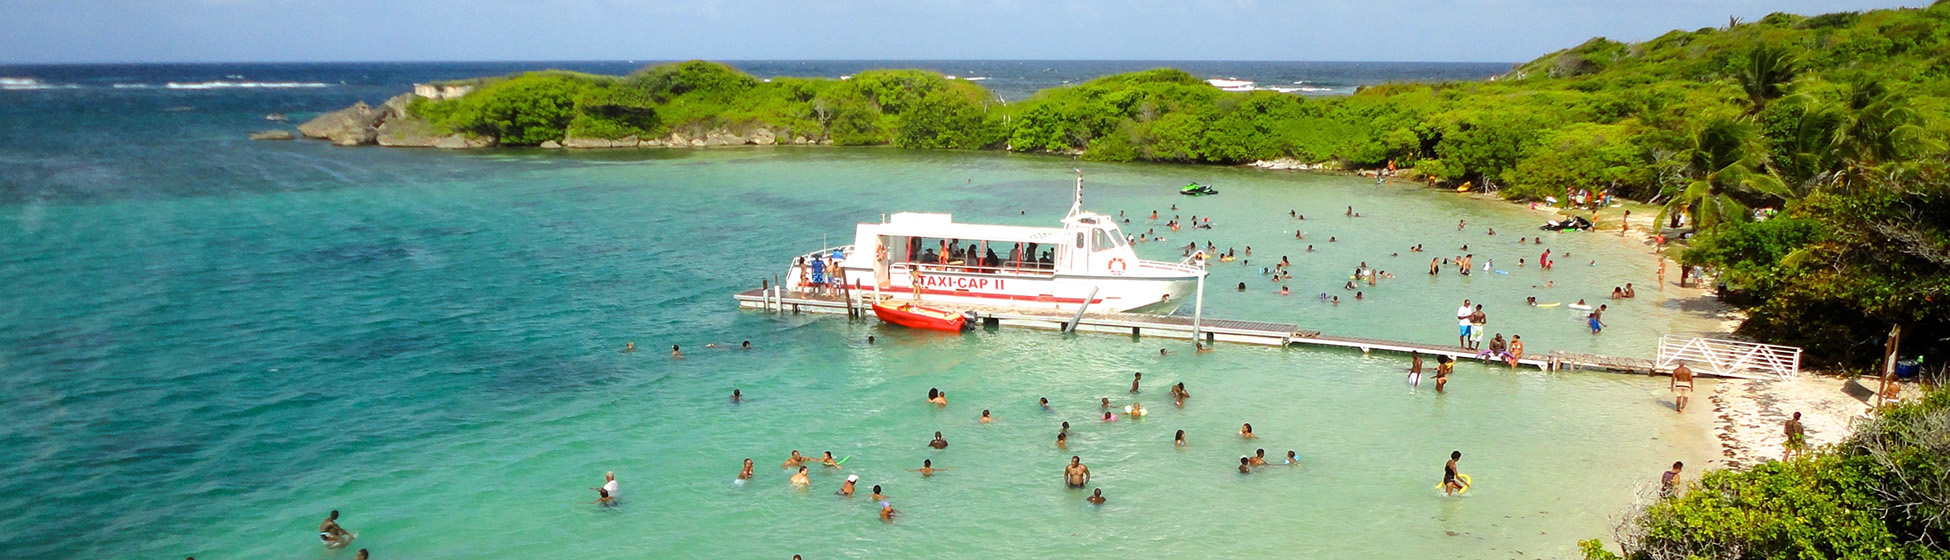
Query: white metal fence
[{"x": 1731, "y": 358}]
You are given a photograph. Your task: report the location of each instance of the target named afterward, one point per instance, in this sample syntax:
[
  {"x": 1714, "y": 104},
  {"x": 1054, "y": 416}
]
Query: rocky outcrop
[
  {"x": 273, "y": 135},
  {"x": 389, "y": 124},
  {"x": 575, "y": 143}
]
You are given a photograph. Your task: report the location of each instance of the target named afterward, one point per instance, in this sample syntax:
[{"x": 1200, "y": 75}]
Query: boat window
[
  {"x": 1104, "y": 241},
  {"x": 1079, "y": 240}
]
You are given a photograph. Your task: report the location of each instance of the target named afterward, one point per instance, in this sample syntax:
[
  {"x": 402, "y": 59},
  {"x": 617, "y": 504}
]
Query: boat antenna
[{"x": 1076, "y": 205}]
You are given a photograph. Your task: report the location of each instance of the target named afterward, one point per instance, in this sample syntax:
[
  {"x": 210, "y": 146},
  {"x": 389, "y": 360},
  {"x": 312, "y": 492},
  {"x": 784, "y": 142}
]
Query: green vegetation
[
  {"x": 907, "y": 108},
  {"x": 1840, "y": 121},
  {"x": 1882, "y": 493}
]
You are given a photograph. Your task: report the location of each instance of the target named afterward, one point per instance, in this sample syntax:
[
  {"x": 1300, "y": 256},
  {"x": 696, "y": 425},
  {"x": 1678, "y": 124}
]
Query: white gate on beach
[{"x": 1730, "y": 358}]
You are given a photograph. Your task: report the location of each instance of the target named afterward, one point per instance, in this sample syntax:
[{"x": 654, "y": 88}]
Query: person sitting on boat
[
  {"x": 930, "y": 257},
  {"x": 990, "y": 260}
]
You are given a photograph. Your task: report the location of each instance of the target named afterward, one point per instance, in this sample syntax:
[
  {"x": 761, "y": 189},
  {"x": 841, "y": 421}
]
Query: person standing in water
[
  {"x": 1596, "y": 319},
  {"x": 1096, "y": 497},
  {"x": 1179, "y": 439},
  {"x": 1682, "y": 386},
  {"x": 938, "y": 442},
  {"x": 800, "y": 479},
  {"x": 1443, "y": 365},
  {"x": 1134, "y": 381},
  {"x": 746, "y": 473},
  {"x": 1450, "y": 484},
  {"x": 737, "y": 397},
  {"x": 1245, "y": 466},
  {"x": 1076, "y": 475},
  {"x": 1415, "y": 367},
  {"x": 335, "y": 536},
  {"x": 846, "y": 488}
]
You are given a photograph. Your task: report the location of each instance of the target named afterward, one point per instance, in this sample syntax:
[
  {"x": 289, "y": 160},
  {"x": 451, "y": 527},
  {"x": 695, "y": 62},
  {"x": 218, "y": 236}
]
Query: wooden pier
[{"x": 1172, "y": 326}]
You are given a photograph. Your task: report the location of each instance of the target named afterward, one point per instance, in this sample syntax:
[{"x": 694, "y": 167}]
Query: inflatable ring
[{"x": 1465, "y": 483}]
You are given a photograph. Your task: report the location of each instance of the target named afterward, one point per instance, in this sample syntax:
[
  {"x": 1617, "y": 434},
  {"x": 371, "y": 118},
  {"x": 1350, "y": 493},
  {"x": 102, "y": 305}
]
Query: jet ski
[{"x": 1196, "y": 189}]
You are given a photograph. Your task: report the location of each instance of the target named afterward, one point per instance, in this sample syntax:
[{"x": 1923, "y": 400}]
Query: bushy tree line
[{"x": 1882, "y": 493}]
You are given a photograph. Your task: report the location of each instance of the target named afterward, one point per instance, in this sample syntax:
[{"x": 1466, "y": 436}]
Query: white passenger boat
[{"x": 929, "y": 257}]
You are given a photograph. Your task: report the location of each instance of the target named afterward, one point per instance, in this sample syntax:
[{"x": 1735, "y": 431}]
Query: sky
[{"x": 89, "y": 31}]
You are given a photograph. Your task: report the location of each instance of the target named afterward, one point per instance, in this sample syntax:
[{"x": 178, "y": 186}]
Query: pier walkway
[{"x": 1213, "y": 330}]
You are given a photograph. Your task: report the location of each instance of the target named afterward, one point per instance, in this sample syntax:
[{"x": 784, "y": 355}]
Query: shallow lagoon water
[{"x": 429, "y": 342}]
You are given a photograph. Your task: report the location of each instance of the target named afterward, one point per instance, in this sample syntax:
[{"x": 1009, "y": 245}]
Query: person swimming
[
  {"x": 1450, "y": 484},
  {"x": 675, "y": 353},
  {"x": 1245, "y": 465},
  {"x": 938, "y": 397},
  {"x": 795, "y": 460},
  {"x": 333, "y": 535},
  {"x": 1135, "y": 410},
  {"x": 1135, "y": 378},
  {"x": 1246, "y": 431},
  {"x": 629, "y": 347},
  {"x": 1179, "y": 439},
  {"x": 1258, "y": 459},
  {"x": 1096, "y": 497},
  {"x": 1044, "y": 401},
  {"x": 1292, "y": 458},
  {"x": 938, "y": 442},
  {"x": 800, "y": 478},
  {"x": 827, "y": 459},
  {"x": 846, "y": 488},
  {"x": 1109, "y": 417},
  {"x": 746, "y": 473},
  {"x": 985, "y": 417},
  {"x": 604, "y": 499},
  {"x": 876, "y": 493},
  {"x": 1063, "y": 440}
]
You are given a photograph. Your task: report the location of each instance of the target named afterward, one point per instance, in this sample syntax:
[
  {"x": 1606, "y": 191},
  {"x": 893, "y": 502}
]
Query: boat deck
[{"x": 1172, "y": 326}]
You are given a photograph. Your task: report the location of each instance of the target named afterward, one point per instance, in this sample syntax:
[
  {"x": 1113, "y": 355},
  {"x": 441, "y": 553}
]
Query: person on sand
[
  {"x": 1597, "y": 319},
  {"x": 1682, "y": 386},
  {"x": 1449, "y": 482},
  {"x": 938, "y": 442},
  {"x": 828, "y": 460},
  {"x": 746, "y": 472},
  {"x": 1076, "y": 475},
  {"x": 1179, "y": 439},
  {"x": 1135, "y": 378},
  {"x": 1443, "y": 366},
  {"x": 928, "y": 469},
  {"x": 794, "y": 461},
  {"x": 1797, "y": 438},
  {"x": 1096, "y": 497},
  {"x": 938, "y": 397},
  {"x": 985, "y": 417},
  {"x": 800, "y": 479},
  {"x": 1258, "y": 459},
  {"x": 1669, "y": 481},
  {"x": 332, "y": 534},
  {"x": 1246, "y": 431},
  {"x": 1515, "y": 354},
  {"x": 846, "y": 488}
]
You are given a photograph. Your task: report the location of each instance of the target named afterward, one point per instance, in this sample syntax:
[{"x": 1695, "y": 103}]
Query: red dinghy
[{"x": 918, "y": 317}]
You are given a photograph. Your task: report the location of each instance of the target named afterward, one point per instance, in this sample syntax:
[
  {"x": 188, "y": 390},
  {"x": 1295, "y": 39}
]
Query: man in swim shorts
[
  {"x": 939, "y": 442},
  {"x": 1462, "y": 325},
  {"x": 1449, "y": 482},
  {"x": 1597, "y": 319},
  {"x": 1476, "y": 321},
  {"x": 335, "y": 536},
  {"x": 1076, "y": 475},
  {"x": 1682, "y": 386}
]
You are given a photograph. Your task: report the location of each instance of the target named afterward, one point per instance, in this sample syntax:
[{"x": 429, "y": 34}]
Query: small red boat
[{"x": 918, "y": 317}]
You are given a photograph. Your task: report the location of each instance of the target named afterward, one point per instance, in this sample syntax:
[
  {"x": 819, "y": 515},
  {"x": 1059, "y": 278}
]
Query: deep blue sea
[{"x": 208, "y": 342}]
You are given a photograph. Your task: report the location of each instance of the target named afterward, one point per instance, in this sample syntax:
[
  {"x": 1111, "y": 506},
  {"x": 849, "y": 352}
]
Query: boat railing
[
  {"x": 1009, "y": 268},
  {"x": 799, "y": 278}
]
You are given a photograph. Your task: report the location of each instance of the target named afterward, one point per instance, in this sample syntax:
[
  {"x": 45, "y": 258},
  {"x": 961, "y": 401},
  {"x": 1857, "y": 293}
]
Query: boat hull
[
  {"x": 919, "y": 317},
  {"x": 1105, "y": 294}
]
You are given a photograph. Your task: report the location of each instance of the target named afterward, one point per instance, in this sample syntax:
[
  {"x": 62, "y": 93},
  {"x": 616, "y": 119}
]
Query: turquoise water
[{"x": 430, "y": 342}]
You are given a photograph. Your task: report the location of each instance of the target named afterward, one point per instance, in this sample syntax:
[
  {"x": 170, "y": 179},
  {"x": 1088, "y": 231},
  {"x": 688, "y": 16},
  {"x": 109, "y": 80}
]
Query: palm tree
[
  {"x": 1879, "y": 130},
  {"x": 1723, "y": 163},
  {"x": 1766, "y": 74}
]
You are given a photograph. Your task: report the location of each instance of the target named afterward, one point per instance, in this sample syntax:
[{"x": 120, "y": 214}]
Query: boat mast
[{"x": 1076, "y": 205}]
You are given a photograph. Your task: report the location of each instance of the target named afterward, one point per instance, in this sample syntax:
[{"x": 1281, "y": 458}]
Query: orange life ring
[{"x": 1116, "y": 266}]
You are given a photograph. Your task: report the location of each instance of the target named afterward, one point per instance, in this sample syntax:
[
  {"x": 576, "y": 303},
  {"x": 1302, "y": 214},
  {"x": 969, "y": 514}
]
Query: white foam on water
[
  {"x": 221, "y": 85},
  {"x": 976, "y": 78},
  {"x": 12, "y": 84}
]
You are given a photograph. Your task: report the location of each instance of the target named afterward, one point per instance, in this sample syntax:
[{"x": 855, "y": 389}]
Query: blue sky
[{"x": 43, "y": 31}]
